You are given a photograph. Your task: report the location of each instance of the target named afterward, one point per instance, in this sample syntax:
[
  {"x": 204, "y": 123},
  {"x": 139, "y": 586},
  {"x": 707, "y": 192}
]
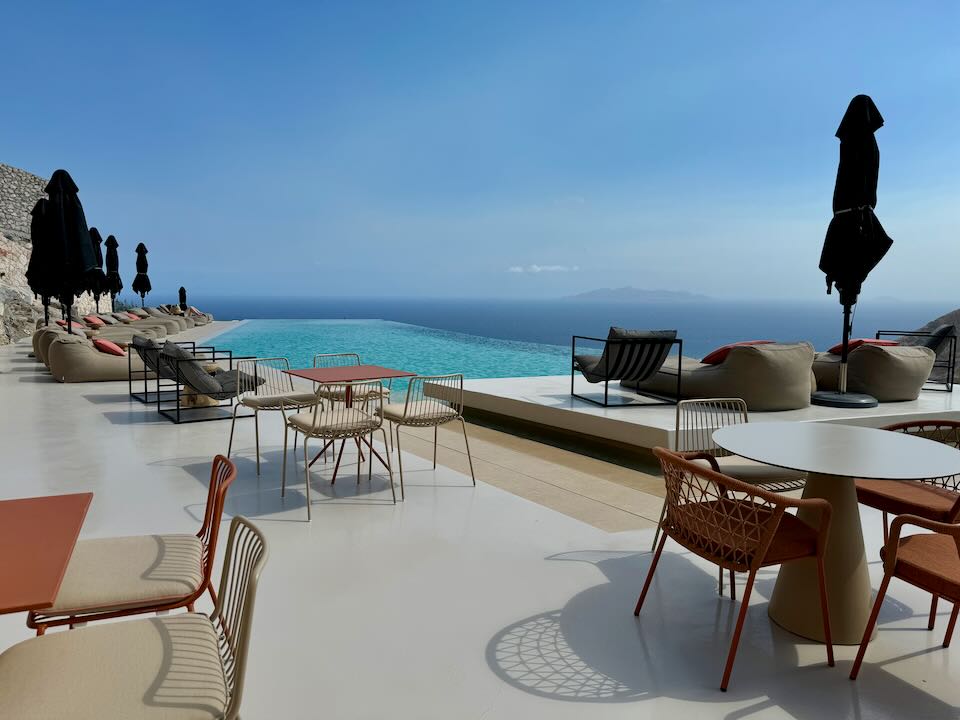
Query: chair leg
[
  {"x": 389, "y": 467},
  {"x": 656, "y": 535},
  {"x": 306, "y": 473},
  {"x": 653, "y": 567},
  {"x": 886, "y": 528},
  {"x": 370, "y": 464},
  {"x": 283, "y": 473},
  {"x": 733, "y": 585},
  {"x": 435, "y": 428},
  {"x": 868, "y": 631},
  {"x": 403, "y": 494},
  {"x": 233, "y": 424},
  {"x": 951, "y": 625},
  {"x": 256, "y": 435},
  {"x": 294, "y": 444},
  {"x": 735, "y": 642},
  {"x": 825, "y": 610},
  {"x": 933, "y": 612},
  {"x": 359, "y": 460},
  {"x": 466, "y": 442}
]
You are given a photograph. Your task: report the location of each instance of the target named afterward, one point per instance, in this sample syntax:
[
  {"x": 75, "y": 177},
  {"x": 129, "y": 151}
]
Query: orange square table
[{"x": 37, "y": 537}]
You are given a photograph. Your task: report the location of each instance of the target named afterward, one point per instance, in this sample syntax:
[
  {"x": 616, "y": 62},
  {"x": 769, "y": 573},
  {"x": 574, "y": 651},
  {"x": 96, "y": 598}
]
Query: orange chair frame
[{"x": 222, "y": 474}]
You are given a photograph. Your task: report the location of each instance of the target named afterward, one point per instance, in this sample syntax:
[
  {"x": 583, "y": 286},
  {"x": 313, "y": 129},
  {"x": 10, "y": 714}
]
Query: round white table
[{"x": 833, "y": 456}]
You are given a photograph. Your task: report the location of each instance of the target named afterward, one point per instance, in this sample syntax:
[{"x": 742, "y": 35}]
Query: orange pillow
[
  {"x": 720, "y": 354},
  {"x": 106, "y": 346},
  {"x": 854, "y": 344},
  {"x": 134, "y": 316},
  {"x": 93, "y": 320},
  {"x": 61, "y": 323}
]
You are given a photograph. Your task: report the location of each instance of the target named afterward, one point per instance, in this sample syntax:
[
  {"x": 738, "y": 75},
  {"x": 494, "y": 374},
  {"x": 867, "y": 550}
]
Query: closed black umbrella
[
  {"x": 39, "y": 271},
  {"x": 98, "y": 280},
  {"x": 71, "y": 257},
  {"x": 113, "y": 282},
  {"x": 141, "y": 283},
  {"x": 855, "y": 240},
  {"x": 183, "y": 298}
]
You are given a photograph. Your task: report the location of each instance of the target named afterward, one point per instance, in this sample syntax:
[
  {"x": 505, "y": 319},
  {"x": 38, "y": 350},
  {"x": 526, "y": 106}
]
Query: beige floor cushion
[{"x": 889, "y": 373}]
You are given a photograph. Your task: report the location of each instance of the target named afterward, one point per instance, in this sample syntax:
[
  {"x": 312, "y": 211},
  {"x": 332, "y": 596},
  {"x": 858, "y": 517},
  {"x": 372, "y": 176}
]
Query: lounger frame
[{"x": 658, "y": 398}]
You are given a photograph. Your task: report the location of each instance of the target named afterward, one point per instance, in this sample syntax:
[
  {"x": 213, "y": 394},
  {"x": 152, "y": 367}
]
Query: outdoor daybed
[
  {"x": 774, "y": 376},
  {"x": 893, "y": 373},
  {"x": 76, "y": 359},
  {"x": 627, "y": 356}
]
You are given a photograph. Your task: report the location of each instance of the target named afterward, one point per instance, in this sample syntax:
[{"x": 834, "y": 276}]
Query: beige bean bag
[
  {"x": 768, "y": 377},
  {"x": 175, "y": 322},
  {"x": 889, "y": 373},
  {"x": 74, "y": 359},
  {"x": 43, "y": 337}
]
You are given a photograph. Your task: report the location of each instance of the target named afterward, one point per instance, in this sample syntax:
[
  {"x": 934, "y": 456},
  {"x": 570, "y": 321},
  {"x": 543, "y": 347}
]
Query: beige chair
[
  {"x": 265, "y": 385},
  {"x": 696, "y": 422},
  {"x": 333, "y": 421},
  {"x": 182, "y": 666},
  {"x": 335, "y": 392},
  {"x": 432, "y": 401}
]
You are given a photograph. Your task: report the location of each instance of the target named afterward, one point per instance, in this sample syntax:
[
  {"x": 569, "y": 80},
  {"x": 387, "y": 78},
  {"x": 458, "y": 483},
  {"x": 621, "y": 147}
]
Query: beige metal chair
[
  {"x": 184, "y": 666},
  {"x": 332, "y": 421},
  {"x": 443, "y": 404},
  {"x": 696, "y": 422},
  {"x": 264, "y": 385},
  {"x": 335, "y": 392}
]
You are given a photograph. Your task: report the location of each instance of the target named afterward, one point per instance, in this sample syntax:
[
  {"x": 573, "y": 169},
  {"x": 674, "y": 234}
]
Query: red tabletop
[
  {"x": 349, "y": 373},
  {"x": 37, "y": 536}
]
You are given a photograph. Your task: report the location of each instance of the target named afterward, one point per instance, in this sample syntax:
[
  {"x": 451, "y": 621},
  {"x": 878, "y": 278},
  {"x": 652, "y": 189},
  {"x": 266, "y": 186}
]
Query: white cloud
[{"x": 542, "y": 268}]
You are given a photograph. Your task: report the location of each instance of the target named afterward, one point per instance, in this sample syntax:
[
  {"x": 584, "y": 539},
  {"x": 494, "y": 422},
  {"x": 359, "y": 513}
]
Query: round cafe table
[{"x": 832, "y": 456}]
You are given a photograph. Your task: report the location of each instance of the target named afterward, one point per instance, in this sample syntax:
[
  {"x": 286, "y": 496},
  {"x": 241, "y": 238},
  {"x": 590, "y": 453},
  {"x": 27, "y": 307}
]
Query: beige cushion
[
  {"x": 266, "y": 402},
  {"x": 162, "y": 668},
  {"x": 889, "y": 373},
  {"x": 338, "y": 393},
  {"x": 757, "y": 473},
  {"x": 424, "y": 411},
  {"x": 127, "y": 572},
  {"x": 342, "y": 420}
]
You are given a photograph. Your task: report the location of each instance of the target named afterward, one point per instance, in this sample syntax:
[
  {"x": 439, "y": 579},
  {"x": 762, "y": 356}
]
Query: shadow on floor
[{"x": 592, "y": 650}]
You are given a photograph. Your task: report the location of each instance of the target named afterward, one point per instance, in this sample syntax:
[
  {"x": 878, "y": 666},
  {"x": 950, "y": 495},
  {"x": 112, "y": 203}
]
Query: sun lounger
[
  {"x": 75, "y": 359},
  {"x": 888, "y": 373}
]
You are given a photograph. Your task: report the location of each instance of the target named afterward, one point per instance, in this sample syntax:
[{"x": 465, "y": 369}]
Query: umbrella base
[{"x": 832, "y": 398}]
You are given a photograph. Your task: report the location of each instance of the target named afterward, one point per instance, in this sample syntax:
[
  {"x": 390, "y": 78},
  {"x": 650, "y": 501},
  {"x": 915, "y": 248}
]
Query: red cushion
[
  {"x": 720, "y": 354},
  {"x": 133, "y": 316},
  {"x": 106, "y": 346},
  {"x": 854, "y": 344},
  {"x": 93, "y": 320},
  {"x": 61, "y": 323}
]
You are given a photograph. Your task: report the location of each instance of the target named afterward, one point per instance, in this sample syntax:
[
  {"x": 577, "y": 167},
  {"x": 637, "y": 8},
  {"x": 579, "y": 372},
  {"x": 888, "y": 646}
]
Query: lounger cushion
[
  {"x": 176, "y": 359},
  {"x": 74, "y": 359},
  {"x": 129, "y": 572},
  {"x": 93, "y": 321},
  {"x": 859, "y": 342},
  {"x": 931, "y": 562},
  {"x": 631, "y": 361},
  {"x": 109, "y": 347},
  {"x": 345, "y": 420},
  {"x": 162, "y": 668},
  {"x": 890, "y": 374},
  {"x": 108, "y": 319},
  {"x": 909, "y": 498},
  {"x": 292, "y": 399},
  {"x": 425, "y": 411},
  {"x": 139, "y": 312}
]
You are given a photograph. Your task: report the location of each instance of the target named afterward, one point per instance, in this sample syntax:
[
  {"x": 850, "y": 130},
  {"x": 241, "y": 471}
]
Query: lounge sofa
[
  {"x": 769, "y": 377},
  {"x": 889, "y": 373},
  {"x": 74, "y": 359}
]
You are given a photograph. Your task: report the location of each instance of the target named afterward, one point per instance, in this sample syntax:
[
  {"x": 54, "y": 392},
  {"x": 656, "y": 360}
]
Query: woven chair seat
[
  {"x": 908, "y": 498},
  {"x": 931, "y": 562}
]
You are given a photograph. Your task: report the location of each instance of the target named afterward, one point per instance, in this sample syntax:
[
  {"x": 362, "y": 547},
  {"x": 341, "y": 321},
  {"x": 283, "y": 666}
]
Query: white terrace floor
[
  {"x": 546, "y": 400},
  {"x": 461, "y": 602}
]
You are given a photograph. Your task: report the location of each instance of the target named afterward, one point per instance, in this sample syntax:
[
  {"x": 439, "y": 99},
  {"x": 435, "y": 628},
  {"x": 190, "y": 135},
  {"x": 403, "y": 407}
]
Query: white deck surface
[
  {"x": 546, "y": 400},
  {"x": 462, "y": 602}
]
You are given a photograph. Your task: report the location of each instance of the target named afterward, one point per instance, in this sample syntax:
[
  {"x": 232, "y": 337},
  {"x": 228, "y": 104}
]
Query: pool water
[{"x": 422, "y": 350}]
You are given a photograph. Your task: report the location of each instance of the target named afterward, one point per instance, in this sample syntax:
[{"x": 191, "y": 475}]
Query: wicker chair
[
  {"x": 332, "y": 421},
  {"x": 443, "y": 404},
  {"x": 186, "y": 665},
  {"x": 936, "y": 499},
  {"x": 737, "y": 526},
  {"x": 115, "y": 577},
  {"x": 265, "y": 385},
  {"x": 930, "y": 561}
]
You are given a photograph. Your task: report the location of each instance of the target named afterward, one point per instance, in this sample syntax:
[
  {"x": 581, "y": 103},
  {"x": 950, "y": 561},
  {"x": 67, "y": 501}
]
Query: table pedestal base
[{"x": 795, "y": 604}]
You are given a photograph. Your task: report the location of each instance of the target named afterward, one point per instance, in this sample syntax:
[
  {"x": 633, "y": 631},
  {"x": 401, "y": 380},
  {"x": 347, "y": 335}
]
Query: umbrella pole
[
  {"x": 69, "y": 318},
  {"x": 46, "y": 312},
  {"x": 844, "y": 350}
]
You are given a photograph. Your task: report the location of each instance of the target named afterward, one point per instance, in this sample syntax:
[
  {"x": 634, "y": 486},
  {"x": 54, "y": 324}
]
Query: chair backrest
[
  {"x": 697, "y": 419},
  {"x": 703, "y": 515},
  {"x": 222, "y": 474},
  {"x": 184, "y": 367},
  {"x": 433, "y": 399},
  {"x": 264, "y": 377},
  {"x": 634, "y": 356},
  {"x": 233, "y": 615},
  {"x": 148, "y": 351},
  {"x": 340, "y": 419},
  {"x": 942, "y": 431},
  {"x": 323, "y": 360}
]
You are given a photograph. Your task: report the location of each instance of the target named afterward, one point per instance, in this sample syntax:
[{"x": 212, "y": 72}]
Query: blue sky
[{"x": 528, "y": 149}]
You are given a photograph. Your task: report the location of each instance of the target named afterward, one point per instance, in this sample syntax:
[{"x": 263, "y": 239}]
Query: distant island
[{"x": 632, "y": 294}]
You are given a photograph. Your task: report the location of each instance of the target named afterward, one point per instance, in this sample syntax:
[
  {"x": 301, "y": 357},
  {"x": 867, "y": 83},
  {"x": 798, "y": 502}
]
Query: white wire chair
[
  {"x": 264, "y": 384},
  {"x": 335, "y": 393},
  {"x": 332, "y": 421},
  {"x": 431, "y": 401}
]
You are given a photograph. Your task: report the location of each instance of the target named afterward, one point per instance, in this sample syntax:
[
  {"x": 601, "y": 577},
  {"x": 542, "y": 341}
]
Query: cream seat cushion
[
  {"x": 266, "y": 402},
  {"x": 423, "y": 411},
  {"x": 162, "y": 668},
  {"x": 342, "y": 420},
  {"x": 757, "y": 473},
  {"x": 129, "y": 572}
]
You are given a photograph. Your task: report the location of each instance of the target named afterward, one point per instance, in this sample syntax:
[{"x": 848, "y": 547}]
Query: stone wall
[{"x": 19, "y": 311}]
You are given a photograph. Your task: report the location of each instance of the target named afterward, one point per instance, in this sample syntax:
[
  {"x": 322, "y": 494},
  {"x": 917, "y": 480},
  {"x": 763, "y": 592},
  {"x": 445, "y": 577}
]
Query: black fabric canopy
[
  {"x": 141, "y": 283},
  {"x": 113, "y": 283},
  {"x": 98, "y": 280},
  {"x": 183, "y": 298},
  {"x": 39, "y": 272}
]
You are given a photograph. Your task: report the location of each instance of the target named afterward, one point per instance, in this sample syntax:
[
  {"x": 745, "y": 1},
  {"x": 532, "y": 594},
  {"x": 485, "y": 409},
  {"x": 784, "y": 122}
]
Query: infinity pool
[{"x": 409, "y": 347}]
